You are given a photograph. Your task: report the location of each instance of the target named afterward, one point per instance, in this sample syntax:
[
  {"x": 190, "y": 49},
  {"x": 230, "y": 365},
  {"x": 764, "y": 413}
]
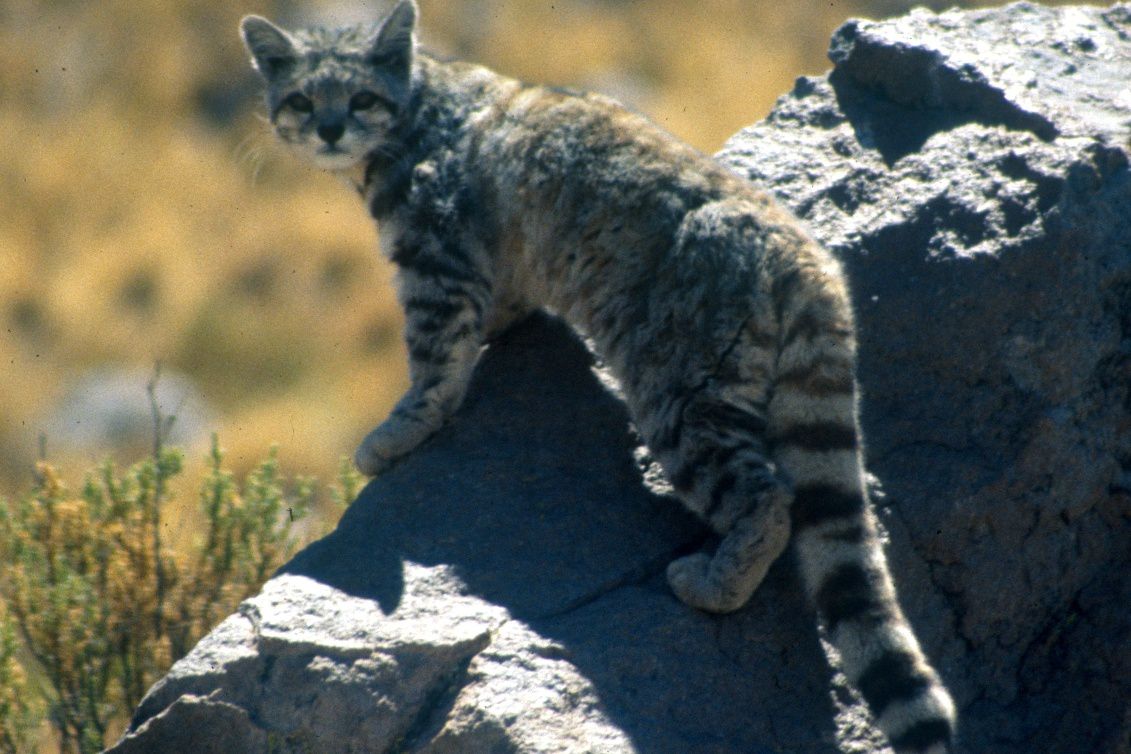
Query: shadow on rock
[{"x": 534, "y": 501}]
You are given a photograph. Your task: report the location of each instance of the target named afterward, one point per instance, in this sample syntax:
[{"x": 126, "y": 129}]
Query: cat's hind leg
[{"x": 723, "y": 473}]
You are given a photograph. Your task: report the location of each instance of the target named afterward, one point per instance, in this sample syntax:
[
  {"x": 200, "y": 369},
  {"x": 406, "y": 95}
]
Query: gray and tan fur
[{"x": 729, "y": 328}]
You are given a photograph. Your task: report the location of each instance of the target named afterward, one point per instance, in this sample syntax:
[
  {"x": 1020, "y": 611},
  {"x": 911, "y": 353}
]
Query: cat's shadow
[{"x": 532, "y": 497}]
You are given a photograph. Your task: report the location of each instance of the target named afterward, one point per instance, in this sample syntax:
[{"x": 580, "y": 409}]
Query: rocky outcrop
[
  {"x": 502, "y": 589},
  {"x": 971, "y": 169}
]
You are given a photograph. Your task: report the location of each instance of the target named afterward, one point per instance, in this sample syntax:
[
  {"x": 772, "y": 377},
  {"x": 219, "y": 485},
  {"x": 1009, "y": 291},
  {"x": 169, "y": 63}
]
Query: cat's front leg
[{"x": 444, "y": 307}]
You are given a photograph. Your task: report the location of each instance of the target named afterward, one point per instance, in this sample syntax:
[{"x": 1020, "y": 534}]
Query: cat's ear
[
  {"x": 272, "y": 49},
  {"x": 392, "y": 46}
]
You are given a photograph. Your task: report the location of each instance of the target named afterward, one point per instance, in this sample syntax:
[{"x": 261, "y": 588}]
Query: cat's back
[{"x": 533, "y": 136}]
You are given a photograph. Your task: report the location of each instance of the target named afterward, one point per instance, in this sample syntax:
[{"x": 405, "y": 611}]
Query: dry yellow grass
[{"x": 137, "y": 231}]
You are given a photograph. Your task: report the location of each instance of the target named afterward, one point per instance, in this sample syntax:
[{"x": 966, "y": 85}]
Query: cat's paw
[
  {"x": 691, "y": 580},
  {"x": 368, "y": 459},
  {"x": 389, "y": 442}
]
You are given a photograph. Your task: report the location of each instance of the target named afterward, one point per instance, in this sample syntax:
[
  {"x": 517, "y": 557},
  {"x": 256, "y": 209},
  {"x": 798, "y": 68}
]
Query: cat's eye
[
  {"x": 363, "y": 101},
  {"x": 299, "y": 102}
]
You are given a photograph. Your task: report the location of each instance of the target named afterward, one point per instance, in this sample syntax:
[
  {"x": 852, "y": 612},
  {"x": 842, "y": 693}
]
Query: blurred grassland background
[{"x": 146, "y": 215}]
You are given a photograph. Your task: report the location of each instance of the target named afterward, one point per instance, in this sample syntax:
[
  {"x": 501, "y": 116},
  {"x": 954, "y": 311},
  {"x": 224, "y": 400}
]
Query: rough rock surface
[
  {"x": 971, "y": 169},
  {"x": 501, "y": 590}
]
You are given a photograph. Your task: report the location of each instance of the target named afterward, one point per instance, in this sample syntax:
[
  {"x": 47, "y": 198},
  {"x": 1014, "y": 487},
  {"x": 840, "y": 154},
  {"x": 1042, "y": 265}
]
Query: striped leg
[
  {"x": 723, "y": 474},
  {"x": 444, "y": 301},
  {"x": 723, "y": 582}
]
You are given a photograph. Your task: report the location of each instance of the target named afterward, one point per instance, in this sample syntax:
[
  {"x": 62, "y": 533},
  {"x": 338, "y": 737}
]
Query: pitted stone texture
[
  {"x": 971, "y": 170},
  {"x": 312, "y": 668}
]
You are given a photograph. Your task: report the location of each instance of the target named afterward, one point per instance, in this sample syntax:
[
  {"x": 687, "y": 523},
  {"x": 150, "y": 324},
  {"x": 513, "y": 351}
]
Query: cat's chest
[
  {"x": 388, "y": 235},
  {"x": 354, "y": 177}
]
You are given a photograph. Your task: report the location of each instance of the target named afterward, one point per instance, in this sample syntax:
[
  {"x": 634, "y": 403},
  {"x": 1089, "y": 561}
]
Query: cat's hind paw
[{"x": 693, "y": 582}]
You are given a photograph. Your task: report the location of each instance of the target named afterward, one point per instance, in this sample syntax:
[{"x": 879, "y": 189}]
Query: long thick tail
[{"x": 814, "y": 432}]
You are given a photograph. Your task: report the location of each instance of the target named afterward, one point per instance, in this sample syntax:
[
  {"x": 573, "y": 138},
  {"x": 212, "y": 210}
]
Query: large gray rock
[
  {"x": 502, "y": 589},
  {"x": 971, "y": 169}
]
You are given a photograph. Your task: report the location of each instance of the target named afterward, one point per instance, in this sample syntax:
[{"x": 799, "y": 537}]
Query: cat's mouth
[{"x": 333, "y": 157}]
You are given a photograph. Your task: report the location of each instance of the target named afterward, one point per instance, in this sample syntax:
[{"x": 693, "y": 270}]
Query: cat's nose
[{"x": 331, "y": 132}]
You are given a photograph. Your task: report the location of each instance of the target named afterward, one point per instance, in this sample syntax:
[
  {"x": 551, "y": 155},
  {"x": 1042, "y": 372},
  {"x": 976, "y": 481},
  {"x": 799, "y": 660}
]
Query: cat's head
[{"x": 335, "y": 96}]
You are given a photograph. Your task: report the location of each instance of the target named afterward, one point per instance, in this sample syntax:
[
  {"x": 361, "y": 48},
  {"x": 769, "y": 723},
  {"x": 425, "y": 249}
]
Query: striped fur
[{"x": 728, "y": 327}]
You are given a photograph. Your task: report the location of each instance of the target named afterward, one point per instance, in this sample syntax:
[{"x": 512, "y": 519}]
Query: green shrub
[
  {"x": 101, "y": 600},
  {"x": 19, "y": 712}
]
